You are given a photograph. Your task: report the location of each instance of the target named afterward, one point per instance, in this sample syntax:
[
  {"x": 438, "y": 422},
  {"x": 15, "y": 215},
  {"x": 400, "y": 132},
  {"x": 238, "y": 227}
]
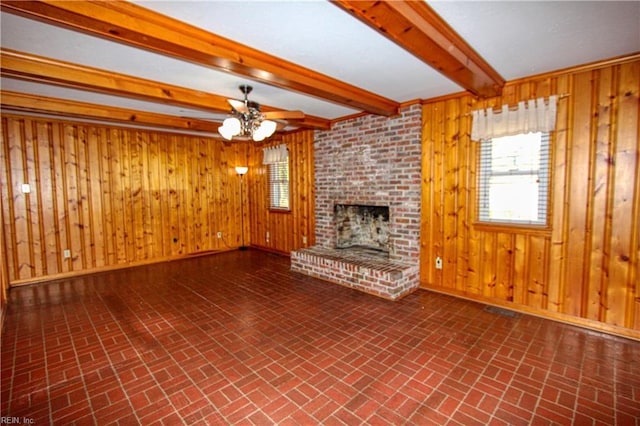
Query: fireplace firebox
[{"x": 362, "y": 226}]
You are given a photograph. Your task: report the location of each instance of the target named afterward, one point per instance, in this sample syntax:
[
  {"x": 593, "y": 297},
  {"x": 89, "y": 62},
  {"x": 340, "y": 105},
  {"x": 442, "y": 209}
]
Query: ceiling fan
[{"x": 248, "y": 121}]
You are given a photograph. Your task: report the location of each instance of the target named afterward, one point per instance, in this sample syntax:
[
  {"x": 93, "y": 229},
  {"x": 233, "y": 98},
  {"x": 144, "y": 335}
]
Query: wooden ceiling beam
[
  {"x": 134, "y": 25},
  {"x": 47, "y": 105},
  {"x": 39, "y": 69},
  {"x": 417, "y": 28},
  {"x": 26, "y": 66}
]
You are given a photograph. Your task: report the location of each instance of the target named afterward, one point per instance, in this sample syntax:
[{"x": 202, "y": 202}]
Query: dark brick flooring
[{"x": 237, "y": 338}]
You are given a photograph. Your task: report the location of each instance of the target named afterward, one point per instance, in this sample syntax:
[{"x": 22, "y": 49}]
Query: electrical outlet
[
  {"x": 304, "y": 239},
  {"x": 66, "y": 254},
  {"x": 26, "y": 188},
  {"x": 438, "y": 262},
  {"x": 267, "y": 236},
  {"x": 219, "y": 234}
]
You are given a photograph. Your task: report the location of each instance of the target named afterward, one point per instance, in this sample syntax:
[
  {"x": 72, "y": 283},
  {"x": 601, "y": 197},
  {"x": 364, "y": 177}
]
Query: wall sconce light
[{"x": 242, "y": 170}]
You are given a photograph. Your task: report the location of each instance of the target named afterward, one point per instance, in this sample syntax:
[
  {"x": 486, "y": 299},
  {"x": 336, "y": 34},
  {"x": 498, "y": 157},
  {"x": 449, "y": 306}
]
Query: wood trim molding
[
  {"x": 617, "y": 60},
  {"x": 41, "y": 104},
  {"x": 417, "y": 28},
  {"x": 26, "y": 66},
  {"x": 136, "y": 26},
  {"x": 103, "y": 269}
]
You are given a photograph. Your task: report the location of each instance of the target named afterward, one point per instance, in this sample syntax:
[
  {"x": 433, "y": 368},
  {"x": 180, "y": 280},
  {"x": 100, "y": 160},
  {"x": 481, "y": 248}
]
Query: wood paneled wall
[
  {"x": 4, "y": 271},
  {"x": 276, "y": 230},
  {"x": 585, "y": 267},
  {"x": 112, "y": 196}
]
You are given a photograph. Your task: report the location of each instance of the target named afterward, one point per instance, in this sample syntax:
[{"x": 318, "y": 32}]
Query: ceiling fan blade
[
  {"x": 284, "y": 115},
  {"x": 238, "y": 106}
]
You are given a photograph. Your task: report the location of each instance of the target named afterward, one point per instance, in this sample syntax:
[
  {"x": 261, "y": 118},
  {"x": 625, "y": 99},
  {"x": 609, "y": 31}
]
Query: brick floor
[{"x": 237, "y": 338}]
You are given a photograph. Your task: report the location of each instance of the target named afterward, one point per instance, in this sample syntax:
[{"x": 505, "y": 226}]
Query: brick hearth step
[{"x": 361, "y": 269}]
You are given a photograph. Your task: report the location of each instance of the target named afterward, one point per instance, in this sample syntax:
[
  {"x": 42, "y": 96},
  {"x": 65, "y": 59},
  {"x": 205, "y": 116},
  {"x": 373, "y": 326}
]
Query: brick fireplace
[{"x": 368, "y": 161}]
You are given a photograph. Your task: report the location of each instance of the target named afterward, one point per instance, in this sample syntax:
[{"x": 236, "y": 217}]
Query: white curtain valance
[
  {"x": 275, "y": 154},
  {"x": 532, "y": 116}
]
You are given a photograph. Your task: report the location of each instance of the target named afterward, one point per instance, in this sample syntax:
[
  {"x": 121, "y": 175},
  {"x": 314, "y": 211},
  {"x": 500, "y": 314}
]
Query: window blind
[
  {"x": 279, "y": 185},
  {"x": 514, "y": 179}
]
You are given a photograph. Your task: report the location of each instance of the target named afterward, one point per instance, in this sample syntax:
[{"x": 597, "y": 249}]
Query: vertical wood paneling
[
  {"x": 18, "y": 216},
  {"x": 522, "y": 249},
  {"x": 175, "y": 239},
  {"x": 4, "y": 270},
  {"x": 4, "y": 265},
  {"x": 585, "y": 265},
  {"x": 601, "y": 192},
  {"x": 137, "y": 196},
  {"x": 472, "y": 250},
  {"x": 46, "y": 188},
  {"x": 488, "y": 261},
  {"x": 157, "y": 236},
  {"x": 578, "y": 180},
  {"x": 535, "y": 279},
  {"x": 439, "y": 195},
  {"x": 94, "y": 184},
  {"x": 108, "y": 219},
  {"x": 426, "y": 196},
  {"x": 451, "y": 200},
  {"x": 504, "y": 267},
  {"x": 114, "y": 197},
  {"x": 559, "y": 199},
  {"x": 620, "y": 289},
  {"x": 33, "y": 228}
]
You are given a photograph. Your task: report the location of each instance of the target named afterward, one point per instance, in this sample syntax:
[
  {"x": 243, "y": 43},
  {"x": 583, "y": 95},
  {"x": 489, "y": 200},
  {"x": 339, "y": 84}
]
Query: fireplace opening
[{"x": 362, "y": 226}]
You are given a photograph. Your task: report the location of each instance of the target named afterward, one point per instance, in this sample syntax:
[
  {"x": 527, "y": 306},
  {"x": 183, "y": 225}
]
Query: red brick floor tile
[
  {"x": 326, "y": 411},
  {"x": 237, "y": 338},
  {"x": 113, "y": 412}
]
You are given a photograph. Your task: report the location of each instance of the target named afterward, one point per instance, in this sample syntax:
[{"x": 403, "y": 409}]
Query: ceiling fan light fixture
[
  {"x": 247, "y": 121},
  {"x": 265, "y": 129}
]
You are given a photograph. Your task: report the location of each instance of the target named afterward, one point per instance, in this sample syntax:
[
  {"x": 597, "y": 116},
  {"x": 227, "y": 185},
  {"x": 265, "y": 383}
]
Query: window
[
  {"x": 277, "y": 159},
  {"x": 514, "y": 179},
  {"x": 279, "y": 185}
]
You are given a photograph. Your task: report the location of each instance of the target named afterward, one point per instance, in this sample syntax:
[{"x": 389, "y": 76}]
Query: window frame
[{"x": 543, "y": 173}]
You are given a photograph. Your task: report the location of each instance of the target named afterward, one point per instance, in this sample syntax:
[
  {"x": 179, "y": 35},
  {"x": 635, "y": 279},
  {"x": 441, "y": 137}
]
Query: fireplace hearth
[{"x": 366, "y": 270}]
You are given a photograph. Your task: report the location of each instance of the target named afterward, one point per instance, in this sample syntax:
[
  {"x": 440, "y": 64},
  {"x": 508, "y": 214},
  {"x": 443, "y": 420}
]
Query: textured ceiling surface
[{"x": 517, "y": 39}]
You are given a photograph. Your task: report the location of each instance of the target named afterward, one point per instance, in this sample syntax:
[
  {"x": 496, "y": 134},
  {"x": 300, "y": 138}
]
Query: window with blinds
[
  {"x": 514, "y": 179},
  {"x": 279, "y": 185}
]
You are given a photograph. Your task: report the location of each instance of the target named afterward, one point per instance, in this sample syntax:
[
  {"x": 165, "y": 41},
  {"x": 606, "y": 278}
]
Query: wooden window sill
[{"x": 542, "y": 230}]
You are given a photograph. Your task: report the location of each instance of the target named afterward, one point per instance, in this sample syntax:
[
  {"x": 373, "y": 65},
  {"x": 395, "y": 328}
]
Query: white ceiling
[{"x": 517, "y": 39}]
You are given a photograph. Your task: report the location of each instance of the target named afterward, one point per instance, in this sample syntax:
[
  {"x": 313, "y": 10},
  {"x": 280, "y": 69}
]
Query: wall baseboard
[{"x": 553, "y": 316}]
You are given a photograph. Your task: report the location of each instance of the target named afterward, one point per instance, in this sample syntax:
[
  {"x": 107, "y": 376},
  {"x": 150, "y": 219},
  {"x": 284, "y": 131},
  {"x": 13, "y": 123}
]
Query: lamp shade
[
  {"x": 266, "y": 129},
  {"x": 241, "y": 170},
  {"x": 225, "y": 132},
  {"x": 233, "y": 124}
]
